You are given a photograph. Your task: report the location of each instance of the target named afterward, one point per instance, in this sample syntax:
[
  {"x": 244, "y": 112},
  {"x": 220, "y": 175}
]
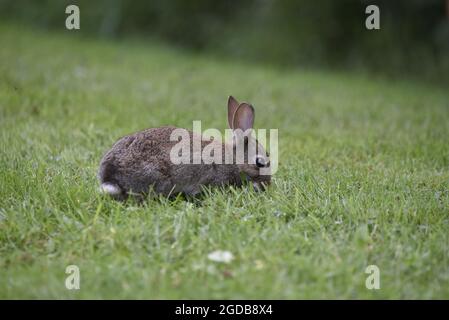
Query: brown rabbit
[{"x": 141, "y": 161}]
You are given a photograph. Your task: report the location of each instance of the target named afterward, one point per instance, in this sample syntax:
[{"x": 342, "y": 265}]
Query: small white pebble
[{"x": 221, "y": 256}]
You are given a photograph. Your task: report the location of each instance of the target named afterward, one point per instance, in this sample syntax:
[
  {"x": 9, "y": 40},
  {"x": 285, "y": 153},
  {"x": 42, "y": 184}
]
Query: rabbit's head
[{"x": 255, "y": 164}]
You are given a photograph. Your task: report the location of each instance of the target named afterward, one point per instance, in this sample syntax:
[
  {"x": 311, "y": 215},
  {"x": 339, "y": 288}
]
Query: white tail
[{"x": 110, "y": 188}]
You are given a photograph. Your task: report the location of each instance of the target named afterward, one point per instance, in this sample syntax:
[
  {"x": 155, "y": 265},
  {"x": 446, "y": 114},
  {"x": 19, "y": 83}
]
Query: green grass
[{"x": 363, "y": 178}]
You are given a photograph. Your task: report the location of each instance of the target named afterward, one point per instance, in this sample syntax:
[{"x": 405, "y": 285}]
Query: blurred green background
[{"x": 413, "y": 40}]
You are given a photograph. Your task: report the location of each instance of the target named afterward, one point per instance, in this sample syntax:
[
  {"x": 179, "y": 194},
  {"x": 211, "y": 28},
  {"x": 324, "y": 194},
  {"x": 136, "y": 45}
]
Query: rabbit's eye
[{"x": 260, "y": 162}]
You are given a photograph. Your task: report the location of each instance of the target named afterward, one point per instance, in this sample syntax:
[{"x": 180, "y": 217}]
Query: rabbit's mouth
[{"x": 260, "y": 186}]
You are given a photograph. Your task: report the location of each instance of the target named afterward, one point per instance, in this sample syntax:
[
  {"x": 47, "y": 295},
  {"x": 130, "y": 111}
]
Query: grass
[{"x": 363, "y": 178}]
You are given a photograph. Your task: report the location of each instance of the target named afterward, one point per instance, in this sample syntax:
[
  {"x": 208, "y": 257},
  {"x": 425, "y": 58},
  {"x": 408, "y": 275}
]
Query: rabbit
[{"x": 141, "y": 162}]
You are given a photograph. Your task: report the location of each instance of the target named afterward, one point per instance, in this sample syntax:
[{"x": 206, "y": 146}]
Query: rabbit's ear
[
  {"x": 243, "y": 117},
  {"x": 232, "y": 108}
]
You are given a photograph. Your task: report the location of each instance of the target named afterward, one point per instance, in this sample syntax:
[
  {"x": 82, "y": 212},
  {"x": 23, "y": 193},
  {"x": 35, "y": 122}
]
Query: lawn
[{"x": 363, "y": 178}]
